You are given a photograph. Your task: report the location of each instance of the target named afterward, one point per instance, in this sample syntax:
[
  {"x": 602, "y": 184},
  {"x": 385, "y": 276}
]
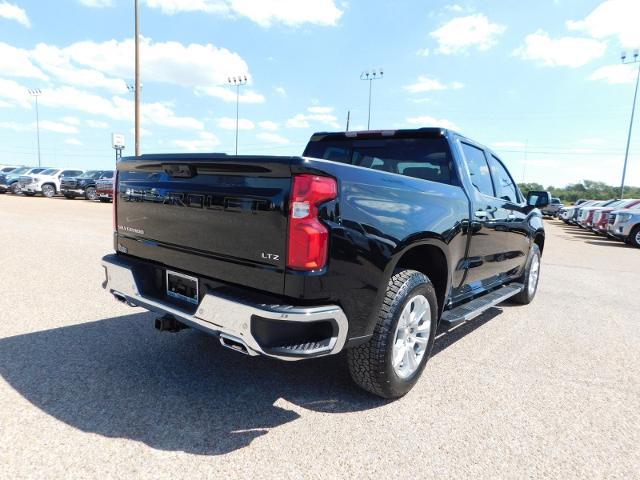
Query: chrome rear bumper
[{"x": 232, "y": 319}]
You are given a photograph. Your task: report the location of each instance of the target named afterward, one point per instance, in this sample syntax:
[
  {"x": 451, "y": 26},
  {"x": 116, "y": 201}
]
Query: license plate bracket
[{"x": 181, "y": 286}]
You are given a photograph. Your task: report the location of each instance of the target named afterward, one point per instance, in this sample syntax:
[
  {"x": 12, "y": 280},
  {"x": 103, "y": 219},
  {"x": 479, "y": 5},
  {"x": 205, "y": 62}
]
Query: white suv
[{"x": 47, "y": 182}]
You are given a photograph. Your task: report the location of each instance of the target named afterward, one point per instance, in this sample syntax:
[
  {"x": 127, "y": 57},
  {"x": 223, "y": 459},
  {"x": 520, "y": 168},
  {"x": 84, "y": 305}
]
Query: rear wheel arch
[{"x": 431, "y": 260}]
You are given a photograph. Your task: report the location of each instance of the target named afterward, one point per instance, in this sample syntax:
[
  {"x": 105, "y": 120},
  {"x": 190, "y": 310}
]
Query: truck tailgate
[{"x": 218, "y": 216}]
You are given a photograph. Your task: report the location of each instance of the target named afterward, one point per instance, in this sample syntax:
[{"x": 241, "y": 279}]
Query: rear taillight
[
  {"x": 308, "y": 237},
  {"x": 115, "y": 203}
]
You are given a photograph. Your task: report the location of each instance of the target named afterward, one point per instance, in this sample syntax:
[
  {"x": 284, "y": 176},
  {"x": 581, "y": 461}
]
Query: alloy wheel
[{"x": 411, "y": 336}]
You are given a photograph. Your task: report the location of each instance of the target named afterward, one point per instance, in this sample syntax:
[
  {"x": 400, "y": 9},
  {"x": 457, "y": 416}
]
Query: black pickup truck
[{"x": 366, "y": 243}]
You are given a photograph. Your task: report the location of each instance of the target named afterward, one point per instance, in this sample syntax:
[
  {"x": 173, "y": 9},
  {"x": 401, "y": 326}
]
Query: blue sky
[{"x": 541, "y": 83}]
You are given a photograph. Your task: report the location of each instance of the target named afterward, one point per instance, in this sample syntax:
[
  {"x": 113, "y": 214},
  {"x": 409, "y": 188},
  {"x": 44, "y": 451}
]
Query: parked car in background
[
  {"x": 569, "y": 214},
  {"x": 8, "y": 168},
  {"x": 82, "y": 186},
  {"x": 586, "y": 212},
  {"x": 14, "y": 177},
  {"x": 104, "y": 187},
  {"x": 9, "y": 178},
  {"x": 553, "y": 208},
  {"x": 46, "y": 182},
  {"x": 625, "y": 225},
  {"x": 601, "y": 216}
]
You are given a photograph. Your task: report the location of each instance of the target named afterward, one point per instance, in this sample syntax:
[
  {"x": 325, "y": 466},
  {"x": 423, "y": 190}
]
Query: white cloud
[
  {"x": 321, "y": 110},
  {"x": 428, "y": 84},
  {"x": 116, "y": 108},
  {"x": 423, "y": 52},
  {"x": 273, "y": 138},
  {"x": 263, "y": 12},
  {"x": 615, "y": 74},
  {"x": 228, "y": 123},
  {"x": 229, "y": 95},
  {"x": 14, "y": 93},
  {"x": 97, "y": 3},
  {"x": 75, "y": 121},
  {"x": 612, "y": 18},
  {"x": 563, "y": 51},
  {"x": 15, "y": 62},
  {"x": 73, "y": 141},
  {"x": 97, "y": 124},
  {"x": 463, "y": 33},
  {"x": 508, "y": 144},
  {"x": 420, "y": 100},
  {"x": 172, "y": 62},
  {"x": 281, "y": 91},
  {"x": 57, "y": 127},
  {"x": 427, "y": 121},
  {"x": 17, "y": 127},
  {"x": 302, "y": 120},
  {"x": 206, "y": 141},
  {"x": 268, "y": 125},
  {"x": 59, "y": 63},
  {"x": 14, "y": 12},
  {"x": 44, "y": 125}
]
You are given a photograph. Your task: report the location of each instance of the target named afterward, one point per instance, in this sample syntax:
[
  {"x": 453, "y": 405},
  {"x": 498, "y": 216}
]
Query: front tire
[
  {"x": 90, "y": 193},
  {"x": 530, "y": 277},
  {"x": 15, "y": 188},
  {"x": 48, "y": 191},
  {"x": 392, "y": 360},
  {"x": 634, "y": 237}
]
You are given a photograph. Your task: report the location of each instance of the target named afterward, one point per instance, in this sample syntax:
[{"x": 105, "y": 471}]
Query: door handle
[
  {"x": 511, "y": 216},
  {"x": 481, "y": 214}
]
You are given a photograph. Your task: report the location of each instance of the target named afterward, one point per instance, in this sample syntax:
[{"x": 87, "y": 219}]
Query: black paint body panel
[{"x": 220, "y": 215}]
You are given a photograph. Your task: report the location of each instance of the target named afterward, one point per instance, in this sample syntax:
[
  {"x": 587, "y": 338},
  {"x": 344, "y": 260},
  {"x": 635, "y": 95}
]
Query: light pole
[
  {"x": 237, "y": 82},
  {"x": 137, "y": 80},
  {"x": 623, "y": 58},
  {"x": 370, "y": 76},
  {"x": 35, "y": 93}
]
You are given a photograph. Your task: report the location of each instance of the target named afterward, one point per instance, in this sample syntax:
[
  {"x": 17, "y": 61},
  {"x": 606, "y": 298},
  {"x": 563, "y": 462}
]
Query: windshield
[
  {"x": 19, "y": 171},
  {"x": 33, "y": 171},
  {"x": 7, "y": 169},
  {"x": 91, "y": 174},
  {"x": 50, "y": 171}
]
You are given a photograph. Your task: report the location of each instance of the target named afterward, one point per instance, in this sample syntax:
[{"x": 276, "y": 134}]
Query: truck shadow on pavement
[{"x": 120, "y": 378}]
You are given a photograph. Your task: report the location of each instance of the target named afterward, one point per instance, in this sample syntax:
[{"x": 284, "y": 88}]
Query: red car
[
  {"x": 104, "y": 187},
  {"x": 601, "y": 216}
]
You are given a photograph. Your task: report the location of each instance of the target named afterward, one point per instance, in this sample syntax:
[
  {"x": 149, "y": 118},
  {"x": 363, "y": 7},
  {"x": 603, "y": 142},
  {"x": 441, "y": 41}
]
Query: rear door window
[{"x": 478, "y": 169}]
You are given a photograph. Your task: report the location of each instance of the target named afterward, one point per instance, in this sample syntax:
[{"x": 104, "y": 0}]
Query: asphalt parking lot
[{"x": 88, "y": 388}]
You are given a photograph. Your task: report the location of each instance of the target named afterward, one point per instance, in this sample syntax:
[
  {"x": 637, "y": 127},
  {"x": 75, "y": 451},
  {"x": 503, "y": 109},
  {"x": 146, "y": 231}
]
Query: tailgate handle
[{"x": 178, "y": 170}]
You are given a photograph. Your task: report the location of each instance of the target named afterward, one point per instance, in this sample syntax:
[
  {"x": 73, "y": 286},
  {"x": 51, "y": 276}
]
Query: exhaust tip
[{"x": 233, "y": 344}]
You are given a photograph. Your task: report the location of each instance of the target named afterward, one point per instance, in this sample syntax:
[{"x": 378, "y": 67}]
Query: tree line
[{"x": 588, "y": 189}]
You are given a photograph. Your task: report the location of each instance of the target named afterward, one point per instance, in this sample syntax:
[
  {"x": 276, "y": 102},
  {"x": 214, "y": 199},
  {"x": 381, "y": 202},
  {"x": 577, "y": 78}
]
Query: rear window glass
[{"x": 425, "y": 158}]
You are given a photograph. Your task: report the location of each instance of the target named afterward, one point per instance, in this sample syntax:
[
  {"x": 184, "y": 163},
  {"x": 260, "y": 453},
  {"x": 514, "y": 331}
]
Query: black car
[
  {"x": 366, "y": 243},
  {"x": 83, "y": 185}
]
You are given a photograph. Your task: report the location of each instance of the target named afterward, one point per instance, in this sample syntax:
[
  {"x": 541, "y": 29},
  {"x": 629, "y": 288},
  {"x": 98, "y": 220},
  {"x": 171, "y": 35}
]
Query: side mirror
[{"x": 538, "y": 199}]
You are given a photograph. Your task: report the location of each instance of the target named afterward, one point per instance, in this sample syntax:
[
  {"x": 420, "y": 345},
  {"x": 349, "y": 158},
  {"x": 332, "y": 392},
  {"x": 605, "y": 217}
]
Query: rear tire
[
  {"x": 15, "y": 188},
  {"x": 392, "y": 360},
  {"x": 90, "y": 193},
  {"x": 634, "y": 237},
  {"x": 530, "y": 277}
]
